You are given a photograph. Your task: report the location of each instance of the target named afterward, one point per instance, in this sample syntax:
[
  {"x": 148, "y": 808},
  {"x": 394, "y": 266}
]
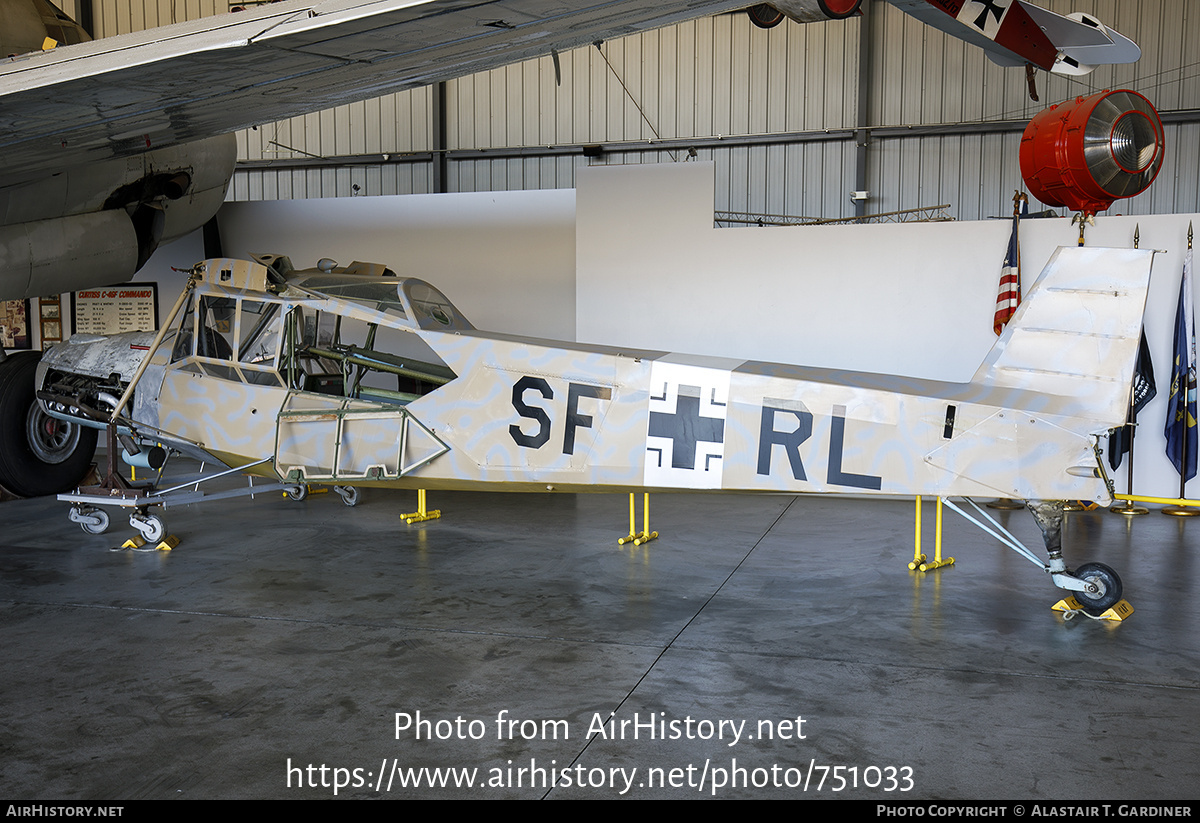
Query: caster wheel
[
  {"x": 1107, "y": 587},
  {"x": 99, "y": 527},
  {"x": 297, "y": 493},
  {"x": 152, "y": 528},
  {"x": 349, "y": 494}
]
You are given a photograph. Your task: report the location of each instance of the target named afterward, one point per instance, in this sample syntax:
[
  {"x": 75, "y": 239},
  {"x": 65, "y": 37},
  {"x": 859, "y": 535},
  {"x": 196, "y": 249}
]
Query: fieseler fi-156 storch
[{"x": 354, "y": 377}]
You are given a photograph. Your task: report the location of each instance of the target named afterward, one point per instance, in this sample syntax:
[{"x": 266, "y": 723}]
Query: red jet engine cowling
[{"x": 1091, "y": 151}]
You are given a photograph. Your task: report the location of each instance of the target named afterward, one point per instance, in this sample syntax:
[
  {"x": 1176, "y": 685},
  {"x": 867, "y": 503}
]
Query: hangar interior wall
[{"x": 774, "y": 110}]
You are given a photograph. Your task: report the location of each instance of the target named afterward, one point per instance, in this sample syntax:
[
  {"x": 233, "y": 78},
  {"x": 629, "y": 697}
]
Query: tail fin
[{"x": 1076, "y": 334}]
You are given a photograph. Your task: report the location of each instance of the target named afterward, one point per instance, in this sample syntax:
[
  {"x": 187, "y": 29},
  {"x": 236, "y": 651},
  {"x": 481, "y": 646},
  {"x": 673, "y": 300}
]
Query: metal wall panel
[{"x": 723, "y": 78}]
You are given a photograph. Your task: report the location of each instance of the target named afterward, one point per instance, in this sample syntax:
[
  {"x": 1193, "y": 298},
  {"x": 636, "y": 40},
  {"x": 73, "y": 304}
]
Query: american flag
[{"x": 1009, "y": 296}]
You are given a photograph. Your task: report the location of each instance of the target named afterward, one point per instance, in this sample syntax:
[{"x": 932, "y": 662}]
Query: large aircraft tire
[{"x": 38, "y": 454}]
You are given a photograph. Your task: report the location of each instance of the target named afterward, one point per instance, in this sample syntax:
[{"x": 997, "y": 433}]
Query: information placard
[{"x": 115, "y": 309}]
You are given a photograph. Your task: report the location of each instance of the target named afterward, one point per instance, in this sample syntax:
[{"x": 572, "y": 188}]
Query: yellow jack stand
[
  {"x": 645, "y": 535},
  {"x": 421, "y": 514},
  {"x": 920, "y": 562},
  {"x": 1070, "y": 606}
]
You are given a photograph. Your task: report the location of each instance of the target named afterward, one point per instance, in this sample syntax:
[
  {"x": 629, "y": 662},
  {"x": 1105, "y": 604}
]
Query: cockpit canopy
[
  {"x": 346, "y": 332},
  {"x": 369, "y": 285}
]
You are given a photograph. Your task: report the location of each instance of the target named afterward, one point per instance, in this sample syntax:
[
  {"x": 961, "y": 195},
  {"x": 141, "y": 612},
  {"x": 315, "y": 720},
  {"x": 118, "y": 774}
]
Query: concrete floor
[{"x": 285, "y": 633}]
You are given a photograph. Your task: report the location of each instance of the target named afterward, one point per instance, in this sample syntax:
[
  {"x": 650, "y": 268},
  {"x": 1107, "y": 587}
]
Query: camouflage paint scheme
[{"x": 526, "y": 414}]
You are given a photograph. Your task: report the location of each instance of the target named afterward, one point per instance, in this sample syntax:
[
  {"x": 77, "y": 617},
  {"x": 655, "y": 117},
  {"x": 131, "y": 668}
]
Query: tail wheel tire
[
  {"x": 38, "y": 454},
  {"x": 764, "y": 16},
  {"x": 1107, "y": 587}
]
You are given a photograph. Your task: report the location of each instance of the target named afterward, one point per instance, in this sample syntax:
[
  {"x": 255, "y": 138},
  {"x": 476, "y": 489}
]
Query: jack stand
[
  {"x": 1070, "y": 608},
  {"x": 920, "y": 562},
  {"x": 645, "y": 535},
  {"x": 421, "y": 514}
]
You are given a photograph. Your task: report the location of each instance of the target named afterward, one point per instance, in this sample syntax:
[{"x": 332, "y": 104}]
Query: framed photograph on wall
[
  {"x": 50, "y": 319},
  {"x": 14, "y": 324}
]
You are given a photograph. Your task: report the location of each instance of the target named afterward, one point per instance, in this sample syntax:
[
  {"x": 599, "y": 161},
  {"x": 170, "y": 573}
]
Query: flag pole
[
  {"x": 1082, "y": 218},
  {"x": 999, "y": 321},
  {"x": 1128, "y": 508},
  {"x": 1184, "y": 511}
]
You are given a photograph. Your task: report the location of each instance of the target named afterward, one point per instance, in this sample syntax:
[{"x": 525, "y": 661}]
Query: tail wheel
[
  {"x": 764, "y": 16},
  {"x": 1105, "y": 584}
]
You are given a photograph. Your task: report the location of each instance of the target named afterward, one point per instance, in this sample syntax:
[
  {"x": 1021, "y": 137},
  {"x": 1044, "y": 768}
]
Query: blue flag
[{"x": 1181, "y": 405}]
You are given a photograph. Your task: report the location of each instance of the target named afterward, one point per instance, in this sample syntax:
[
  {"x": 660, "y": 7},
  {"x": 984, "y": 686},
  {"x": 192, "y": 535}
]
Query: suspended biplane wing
[{"x": 1014, "y": 33}]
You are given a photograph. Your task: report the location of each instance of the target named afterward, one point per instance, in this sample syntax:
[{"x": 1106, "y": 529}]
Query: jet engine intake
[{"x": 1087, "y": 153}]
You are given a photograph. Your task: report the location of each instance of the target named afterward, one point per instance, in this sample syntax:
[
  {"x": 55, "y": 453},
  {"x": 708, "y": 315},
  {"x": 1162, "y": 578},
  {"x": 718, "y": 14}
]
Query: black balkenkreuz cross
[
  {"x": 686, "y": 428},
  {"x": 989, "y": 6}
]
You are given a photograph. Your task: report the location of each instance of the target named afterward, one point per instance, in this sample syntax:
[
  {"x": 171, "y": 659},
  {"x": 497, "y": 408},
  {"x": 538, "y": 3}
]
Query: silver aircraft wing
[{"x": 124, "y": 95}]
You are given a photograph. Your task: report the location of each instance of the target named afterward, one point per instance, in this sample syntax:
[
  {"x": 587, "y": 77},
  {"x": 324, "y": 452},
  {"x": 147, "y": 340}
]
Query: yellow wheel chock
[
  {"x": 1070, "y": 607},
  {"x": 138, "y": 543}
]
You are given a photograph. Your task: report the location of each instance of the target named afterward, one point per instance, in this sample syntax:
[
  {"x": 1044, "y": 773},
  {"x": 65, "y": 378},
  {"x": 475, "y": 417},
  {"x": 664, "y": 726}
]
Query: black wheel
[
  {"x": 38, "y": 454},
  {"x": 298, "y": 493},
  {"x": 1107, "y": 585},
  {"x": 764, "y": 16}
]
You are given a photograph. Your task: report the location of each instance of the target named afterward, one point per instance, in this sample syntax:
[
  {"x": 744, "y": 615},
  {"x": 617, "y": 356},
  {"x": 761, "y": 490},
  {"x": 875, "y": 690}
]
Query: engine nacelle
[
  {"x": 67, "y": 253},
  {"x": 1092, "y": 151},
  {"x": 98, "y": 224}
]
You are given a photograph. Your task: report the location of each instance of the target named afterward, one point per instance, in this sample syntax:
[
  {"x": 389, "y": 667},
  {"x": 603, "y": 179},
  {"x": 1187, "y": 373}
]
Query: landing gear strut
[{"x": 1095, "y": 587}]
